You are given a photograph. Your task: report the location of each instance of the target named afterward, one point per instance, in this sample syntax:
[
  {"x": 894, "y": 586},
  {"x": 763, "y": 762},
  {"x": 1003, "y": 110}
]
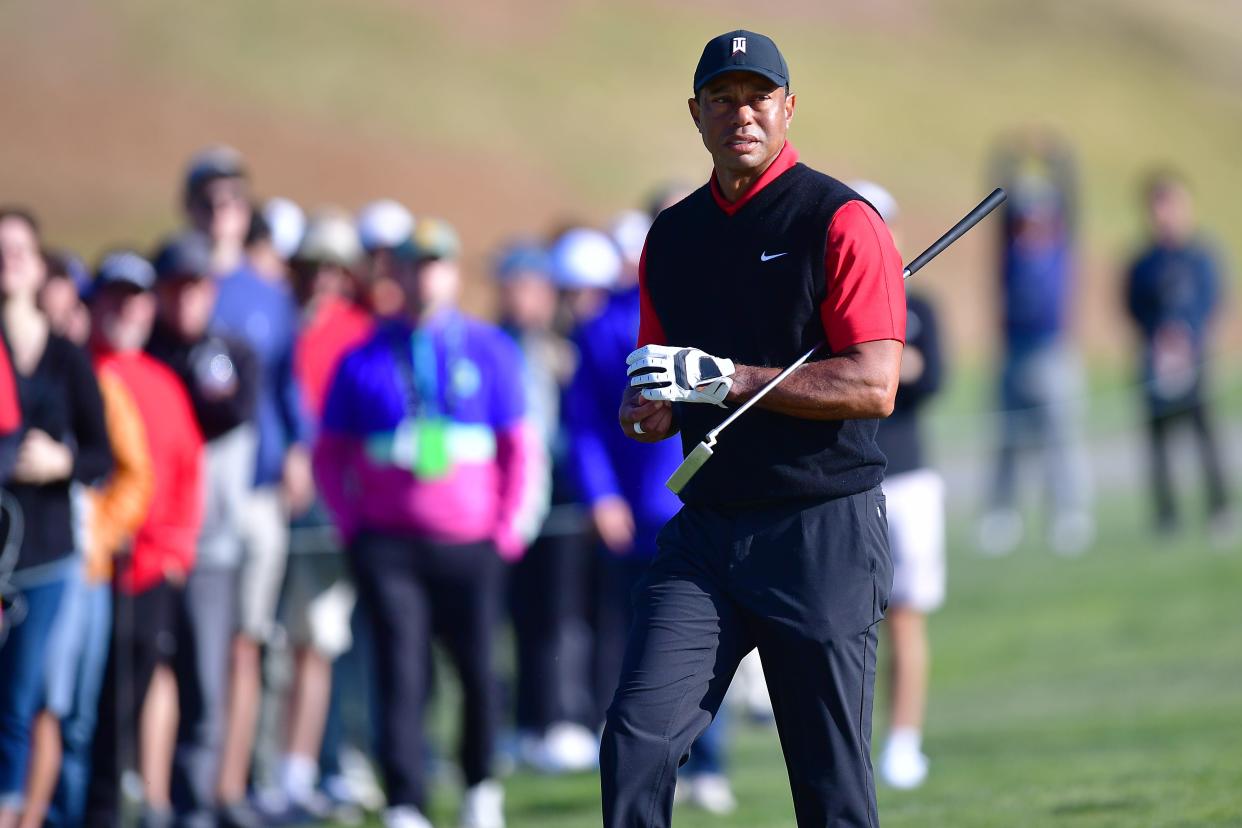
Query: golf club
[{"x": 703, "y": 451}]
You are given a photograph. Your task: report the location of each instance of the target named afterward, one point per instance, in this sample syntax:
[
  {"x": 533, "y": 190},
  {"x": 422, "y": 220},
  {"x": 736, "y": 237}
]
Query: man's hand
[
  {"x": 644, "y": 420},
  {"x": 297, "y": 481},
  {"x": 41, "y": 460},
  {"x": 680, "y": 374},
  {"x": 615, "y": 523}
]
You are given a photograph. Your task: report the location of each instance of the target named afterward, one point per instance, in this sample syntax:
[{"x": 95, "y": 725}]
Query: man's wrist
[{"x": 747, "y": 379}]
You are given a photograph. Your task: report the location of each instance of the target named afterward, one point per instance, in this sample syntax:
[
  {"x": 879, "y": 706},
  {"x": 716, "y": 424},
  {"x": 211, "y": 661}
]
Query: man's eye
[{"x": 720, "y": 99}]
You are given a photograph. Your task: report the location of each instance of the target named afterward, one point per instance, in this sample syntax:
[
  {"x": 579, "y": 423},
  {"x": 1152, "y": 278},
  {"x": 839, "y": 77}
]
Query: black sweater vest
[{"x": 749, "y": 287}]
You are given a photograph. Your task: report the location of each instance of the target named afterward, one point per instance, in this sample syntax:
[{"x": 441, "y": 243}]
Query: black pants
[
  {"x": 144, "y": 635},
  {"x": 805, "y": 584},
  {"x": 547, "y": 597},
  {"x": 616, "y": 576},
  {"x": 410, "y": 590},
  {"x": 1159, "y": 427}
]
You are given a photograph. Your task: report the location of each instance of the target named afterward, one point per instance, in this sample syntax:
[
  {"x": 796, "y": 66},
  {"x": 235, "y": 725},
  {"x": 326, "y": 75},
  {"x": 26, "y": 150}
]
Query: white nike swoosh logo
[{"x": 764, "y": 257}]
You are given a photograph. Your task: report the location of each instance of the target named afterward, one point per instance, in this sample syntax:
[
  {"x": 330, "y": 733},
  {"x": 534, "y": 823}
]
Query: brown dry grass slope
[{"x": 507, "y": 118}]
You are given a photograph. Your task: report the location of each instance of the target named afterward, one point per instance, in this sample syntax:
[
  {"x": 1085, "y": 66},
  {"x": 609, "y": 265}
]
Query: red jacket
[
  {"x": 166, "y": 541},
  {"x": 337, "y": 326},
  {"x": 10, "y": 410}
]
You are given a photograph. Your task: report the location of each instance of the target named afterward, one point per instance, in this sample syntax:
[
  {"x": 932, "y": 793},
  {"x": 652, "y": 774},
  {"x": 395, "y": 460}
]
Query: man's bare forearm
[{"x": 859, "y": 383}]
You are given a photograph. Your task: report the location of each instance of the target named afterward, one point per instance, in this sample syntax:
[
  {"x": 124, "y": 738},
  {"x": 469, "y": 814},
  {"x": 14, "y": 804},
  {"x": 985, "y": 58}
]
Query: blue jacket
[
  {"x": 264, "y": 316},
  {"x": 1174, "y": 287},
  {"x": 605, "y": 460}
]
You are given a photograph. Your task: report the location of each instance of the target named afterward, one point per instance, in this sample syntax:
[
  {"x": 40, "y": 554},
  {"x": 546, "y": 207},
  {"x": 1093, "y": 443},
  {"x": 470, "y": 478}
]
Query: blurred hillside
[{"x": 510, "y": 118}]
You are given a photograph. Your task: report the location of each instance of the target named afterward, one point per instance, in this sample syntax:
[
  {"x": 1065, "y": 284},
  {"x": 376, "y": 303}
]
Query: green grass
[{"x": 1099, "y": 691}]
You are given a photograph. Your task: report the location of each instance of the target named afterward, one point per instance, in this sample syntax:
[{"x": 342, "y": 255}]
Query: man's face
[
  {"x": 63, "y": 308},
  {"x": 1171, "y": 214},
  {"x": 122, "y": 316},
  {"x": 320, "y": 280},
  {"x": 185, "y": 305},
  {"x": 743, "y": 118},
  {"x": 22, "y": 269},
  {"x": 528, "y": 300},
  {"x": 429, "y": 285},
  {"x": 221, "y": 209}
]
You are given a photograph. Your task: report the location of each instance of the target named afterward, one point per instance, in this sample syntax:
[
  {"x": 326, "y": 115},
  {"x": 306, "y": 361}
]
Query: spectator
[
  {"x": 61, "y": 297},
  {"x": 383, "y": 226},
  {"x": 586, "y": 266},
  {"x": 319, "y": 596},
  {"x": 1172, "y": 295},
  {"x": 546, "y": 595},
  {"x": 148, "y": 622},
  {"x": 623, "y": 487},
  {"x": 220, "y": 375},
  {"x": 65, "y": 439},
  {"x": 426, "y": 460},
  {"x": 263, "y": 315},
  {"x": 103, "y": 519},
  {"x": 274, "y": 234},
  {"x": 1041, "y": 383},
  {"x": 916, "y": 529}
]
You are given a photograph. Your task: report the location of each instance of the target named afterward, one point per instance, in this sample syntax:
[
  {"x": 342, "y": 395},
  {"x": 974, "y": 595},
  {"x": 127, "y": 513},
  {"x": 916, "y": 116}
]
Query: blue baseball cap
[
  {"x": 521, "y": 257},
  {"x": 184, "y": 255},
  {"x": 741, "y": 51},
  {"x": 125, "y": 268}
]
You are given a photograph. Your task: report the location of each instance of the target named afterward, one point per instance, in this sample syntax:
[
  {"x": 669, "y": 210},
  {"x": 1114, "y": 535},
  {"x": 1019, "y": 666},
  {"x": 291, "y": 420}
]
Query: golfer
[{"x": 782, "y": 540}]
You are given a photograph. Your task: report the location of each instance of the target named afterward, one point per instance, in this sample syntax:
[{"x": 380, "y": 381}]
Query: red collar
[{"x": 783, "y": 162}]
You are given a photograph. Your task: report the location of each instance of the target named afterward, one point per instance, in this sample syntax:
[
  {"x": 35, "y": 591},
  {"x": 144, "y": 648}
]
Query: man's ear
[
  {"x": 791, "y": 101},
  {"x": 693, "y": 103}
]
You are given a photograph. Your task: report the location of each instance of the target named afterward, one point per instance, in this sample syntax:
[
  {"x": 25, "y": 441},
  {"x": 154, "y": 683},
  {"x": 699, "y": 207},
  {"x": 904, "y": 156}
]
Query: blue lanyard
[
  {"x": 421, "y": 384},
  {"x": 426, "y": 379}
]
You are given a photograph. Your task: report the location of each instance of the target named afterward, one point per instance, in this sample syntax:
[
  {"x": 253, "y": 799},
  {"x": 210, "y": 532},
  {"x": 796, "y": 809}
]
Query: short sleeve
[
  {"x": 650, "y": 331},
  {"x": 865, "y": 299}
]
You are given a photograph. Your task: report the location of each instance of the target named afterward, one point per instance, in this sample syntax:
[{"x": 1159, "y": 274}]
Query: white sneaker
[
  {"x": 1072, "y": 534},
  {"x": 1000, "y": 532},
  {"x": 483, "y": 806},
  {"x": 713, "y": 793},
  {"x": 405, "y": 816},
  {"x": 569, "y": 748},
  {"x": 904, "y": 769},
  {"x": 359, "y": 780}
]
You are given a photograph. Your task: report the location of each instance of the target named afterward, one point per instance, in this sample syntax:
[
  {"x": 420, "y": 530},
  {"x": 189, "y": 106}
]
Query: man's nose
[{"x": 743, "y": 115}]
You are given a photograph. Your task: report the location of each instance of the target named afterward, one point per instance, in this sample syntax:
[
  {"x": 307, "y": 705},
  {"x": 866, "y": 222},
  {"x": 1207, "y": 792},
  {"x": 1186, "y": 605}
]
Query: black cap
[
  {"x": 124, "y": 267},
  {"x": 187, "y": 254},
  {"x": 741, "y": 51},
  {"x": 210, "y": 164}
]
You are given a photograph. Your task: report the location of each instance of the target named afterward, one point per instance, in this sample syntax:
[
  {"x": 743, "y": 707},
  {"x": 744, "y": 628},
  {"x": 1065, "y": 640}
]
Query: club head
[{"x": 693, "y": 462}]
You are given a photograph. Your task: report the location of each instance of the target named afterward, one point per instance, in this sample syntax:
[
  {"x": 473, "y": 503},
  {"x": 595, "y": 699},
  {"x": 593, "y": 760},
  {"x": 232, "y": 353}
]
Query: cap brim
[
  {"x": 181, "y": 276},
  {"x": 754, "y": 70},
  {"x": 127, "y": 285}
]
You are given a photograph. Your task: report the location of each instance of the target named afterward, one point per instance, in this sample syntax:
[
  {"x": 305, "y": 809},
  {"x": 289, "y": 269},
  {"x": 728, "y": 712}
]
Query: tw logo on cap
[{"x": 739, "y": 45}]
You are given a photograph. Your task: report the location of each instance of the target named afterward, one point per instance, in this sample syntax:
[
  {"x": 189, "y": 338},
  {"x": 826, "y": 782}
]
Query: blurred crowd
[{"x": 275, "y": 437}]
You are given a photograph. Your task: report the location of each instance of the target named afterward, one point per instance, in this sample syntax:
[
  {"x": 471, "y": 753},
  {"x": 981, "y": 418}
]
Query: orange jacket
[{"x": 118, "y": 508}]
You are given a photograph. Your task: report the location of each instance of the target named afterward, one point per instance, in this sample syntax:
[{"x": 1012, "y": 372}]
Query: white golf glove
[{"x": 674, "y": 374}]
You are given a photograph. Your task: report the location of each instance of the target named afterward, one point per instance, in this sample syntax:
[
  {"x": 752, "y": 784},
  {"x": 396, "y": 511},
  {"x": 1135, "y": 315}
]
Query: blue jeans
[
  {"x": 22, "y": 671},
  {"x": 83, "y": 632}
]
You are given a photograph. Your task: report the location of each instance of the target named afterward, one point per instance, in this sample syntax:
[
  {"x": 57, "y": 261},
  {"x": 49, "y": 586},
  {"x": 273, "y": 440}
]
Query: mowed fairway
[{"x": 1100, "y": 691}]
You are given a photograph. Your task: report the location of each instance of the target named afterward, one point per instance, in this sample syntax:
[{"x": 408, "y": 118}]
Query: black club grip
[{"x": 970, "y": 220}]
